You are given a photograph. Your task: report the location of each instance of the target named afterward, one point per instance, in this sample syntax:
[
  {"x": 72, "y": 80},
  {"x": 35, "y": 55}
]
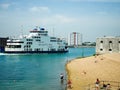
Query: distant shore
[
  {"x": 81, "y": 46},
  {"x": 84, "y": 72}
]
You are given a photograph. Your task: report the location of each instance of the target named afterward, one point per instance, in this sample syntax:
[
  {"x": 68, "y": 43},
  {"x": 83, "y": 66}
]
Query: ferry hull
[{"x": 35, "y": 52}]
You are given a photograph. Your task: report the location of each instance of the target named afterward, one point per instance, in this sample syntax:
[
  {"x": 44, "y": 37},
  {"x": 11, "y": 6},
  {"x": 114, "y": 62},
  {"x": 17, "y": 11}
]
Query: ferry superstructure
[{"x": 38, "y": 41}]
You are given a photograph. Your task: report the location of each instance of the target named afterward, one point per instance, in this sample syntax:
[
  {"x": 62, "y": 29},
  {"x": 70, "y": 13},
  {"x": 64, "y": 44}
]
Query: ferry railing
[{"x": 113, "y": 85}]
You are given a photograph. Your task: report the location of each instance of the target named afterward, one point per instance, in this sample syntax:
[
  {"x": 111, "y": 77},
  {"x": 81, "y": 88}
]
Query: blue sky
[{"x": 91, "y": 18}]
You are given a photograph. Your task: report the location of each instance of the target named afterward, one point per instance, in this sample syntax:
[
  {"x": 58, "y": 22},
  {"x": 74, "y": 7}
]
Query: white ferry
[{"x": 38, "y": 41}]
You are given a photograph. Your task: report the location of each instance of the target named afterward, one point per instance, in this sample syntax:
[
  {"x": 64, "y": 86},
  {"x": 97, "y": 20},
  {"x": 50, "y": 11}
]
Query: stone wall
[{"x": 107, "y": 45}]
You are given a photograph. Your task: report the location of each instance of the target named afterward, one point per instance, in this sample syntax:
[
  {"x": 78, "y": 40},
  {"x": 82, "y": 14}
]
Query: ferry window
[
  {"x": 37, "y": 49},
  {"x": 27, "y": 46},
  {"x": 46, "y": 31},
  {"x": 101, "y": 41},
  {"x": 29, "y": 42},
  {"x": 110, "y": 41},
  {"x": 59, "y": 41},
  {"x": 118, "y": 41},
  {"x": 15, "y": 46},
  {"x": 52, "y": 40},
  {"x": 8, "y": 46},
  {"x": 18, "y": 46},
  {"x": 36, "y": 37},
  {"x": 52, "y": 37},
  {"x": 38, "y": 40},
  {"x": 29, "y": 39},
  {"x": 45, "y": 34}
]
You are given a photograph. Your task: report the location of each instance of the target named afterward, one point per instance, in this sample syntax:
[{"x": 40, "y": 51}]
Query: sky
[{"x": 91, "y": 18}]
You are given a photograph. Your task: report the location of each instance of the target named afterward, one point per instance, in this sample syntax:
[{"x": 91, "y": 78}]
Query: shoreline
[
  {"x": 83, "y": 72},
  {"x": 82, "y": 46}
]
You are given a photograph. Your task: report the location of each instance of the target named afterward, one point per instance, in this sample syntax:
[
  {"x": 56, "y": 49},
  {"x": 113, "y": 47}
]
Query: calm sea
[{"x": 36, "y": 71}]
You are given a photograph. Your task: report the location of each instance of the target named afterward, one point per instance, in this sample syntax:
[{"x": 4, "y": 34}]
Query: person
[
  {"x": 108, "y": 87},
  {"x": 104, "y": 86},
  {"x": 61, "y": 76},
  {"x": 69, "y": 84},
  {"x": 97, "y": 84}
]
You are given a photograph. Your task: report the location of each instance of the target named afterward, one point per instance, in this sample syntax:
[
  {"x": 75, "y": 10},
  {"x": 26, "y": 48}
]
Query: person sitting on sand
[
  {"x": 104, "y": 86},
  {"x": 108, "y": 87}
]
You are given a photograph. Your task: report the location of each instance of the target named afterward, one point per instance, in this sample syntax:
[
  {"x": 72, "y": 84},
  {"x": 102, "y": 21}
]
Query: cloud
[
  {"x": 64, "y": 19},
  {"x": 39, "y": 9},
  {"x": 5, "y": 5},
  {"x": 57, "y": 19}
]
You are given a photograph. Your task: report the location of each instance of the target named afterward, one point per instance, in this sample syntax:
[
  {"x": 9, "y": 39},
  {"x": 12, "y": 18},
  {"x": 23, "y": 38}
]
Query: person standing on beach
[
  {"x": 97, "y": 84},
  {"x": 61, "y": 76},
  {"x": 69, "y": 84}
]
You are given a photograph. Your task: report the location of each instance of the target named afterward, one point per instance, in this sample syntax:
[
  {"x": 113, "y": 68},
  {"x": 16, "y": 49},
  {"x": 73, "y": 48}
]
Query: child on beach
[
  {"x": 69, "y": 84},
  {"x": 97, "y": 84}
]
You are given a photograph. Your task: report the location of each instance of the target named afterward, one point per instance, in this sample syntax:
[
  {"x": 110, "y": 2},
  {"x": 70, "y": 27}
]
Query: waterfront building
[
  {"x": 3, "y": 41},
  {"x": 108, "y": 45},
  {"x": 75, "y": 39}
]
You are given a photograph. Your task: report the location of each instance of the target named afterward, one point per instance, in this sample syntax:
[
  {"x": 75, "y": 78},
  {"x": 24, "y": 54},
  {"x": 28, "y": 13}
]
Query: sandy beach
[{"x": 84, "y": 72}]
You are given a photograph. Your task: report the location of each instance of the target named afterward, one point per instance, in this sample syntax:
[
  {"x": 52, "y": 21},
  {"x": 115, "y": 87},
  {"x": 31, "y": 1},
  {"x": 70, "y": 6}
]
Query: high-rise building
[{"x": 75, "y": 39}]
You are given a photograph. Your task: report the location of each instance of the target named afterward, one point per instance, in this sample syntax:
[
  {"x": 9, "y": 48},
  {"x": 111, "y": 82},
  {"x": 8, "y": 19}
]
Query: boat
[{"x": 37, "y": 41}]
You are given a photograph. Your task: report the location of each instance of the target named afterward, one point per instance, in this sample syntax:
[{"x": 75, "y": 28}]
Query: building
[
  {"x": 37, "y": 41},
  {"x": 75, "y": 39},
  {"x": 89, "y": 44},
  {"x": 2, "y": 44},
  {"x": 108, "y": 45}
]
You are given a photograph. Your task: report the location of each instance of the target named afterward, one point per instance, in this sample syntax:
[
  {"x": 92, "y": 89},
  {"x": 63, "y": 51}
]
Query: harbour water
[{"x": 36, "y": 71}]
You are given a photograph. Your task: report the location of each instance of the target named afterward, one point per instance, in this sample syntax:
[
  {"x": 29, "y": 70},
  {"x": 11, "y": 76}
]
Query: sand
[{"x": 84, "y": 72}]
